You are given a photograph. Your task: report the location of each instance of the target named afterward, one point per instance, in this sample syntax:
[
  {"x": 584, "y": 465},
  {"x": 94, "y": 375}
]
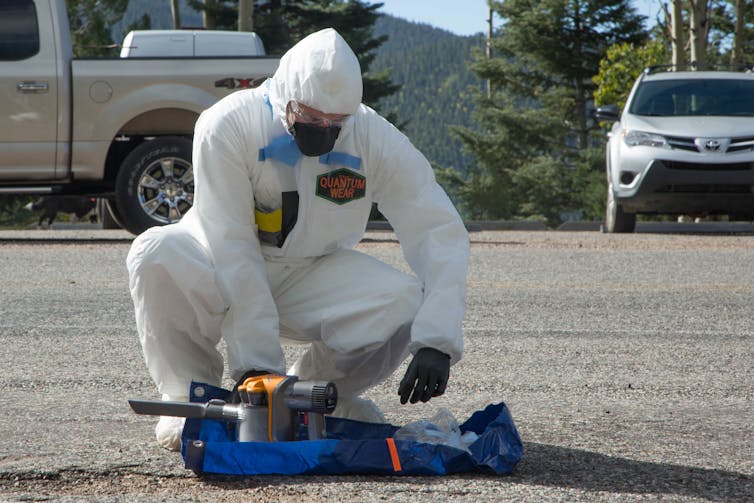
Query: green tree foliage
[
  {"x": 534, "y": 126},
  {"x": 159, "y": 15},
  {"x": 739, "y": 31},
  {"x": 90, "y": 22},
  {"x": 12, "y": 212},
  {"x": 722, "y": 21},
  {"x": 355, "y": 21},
  {"x": 721, "y": 29},
  {"x": 621, "y": 66},
  {"x": 282, "y": 24}
]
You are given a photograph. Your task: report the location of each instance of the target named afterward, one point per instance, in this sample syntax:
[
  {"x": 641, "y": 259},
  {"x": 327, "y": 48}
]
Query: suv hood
[{"x": 692, "y": 127}]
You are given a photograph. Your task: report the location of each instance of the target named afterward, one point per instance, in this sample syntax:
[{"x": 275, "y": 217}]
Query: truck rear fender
[{"x": 150, "y": 111}]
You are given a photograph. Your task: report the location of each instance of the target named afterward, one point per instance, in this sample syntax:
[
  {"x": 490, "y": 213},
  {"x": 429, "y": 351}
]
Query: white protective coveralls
[{"x": 219, "y": 274}]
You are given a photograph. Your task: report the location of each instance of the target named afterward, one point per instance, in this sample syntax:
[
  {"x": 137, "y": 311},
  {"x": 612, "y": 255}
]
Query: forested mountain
[
  {"x": 429, "y": 63},
  {"x": 432, "y": 66}
]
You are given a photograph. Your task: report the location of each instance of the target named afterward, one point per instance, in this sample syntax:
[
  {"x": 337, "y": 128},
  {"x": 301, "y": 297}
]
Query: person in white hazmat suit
[{"x": 285, "y": 177}]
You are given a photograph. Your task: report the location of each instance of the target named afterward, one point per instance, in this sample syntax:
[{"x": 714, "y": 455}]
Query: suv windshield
[{"x": 694, "y": 97}]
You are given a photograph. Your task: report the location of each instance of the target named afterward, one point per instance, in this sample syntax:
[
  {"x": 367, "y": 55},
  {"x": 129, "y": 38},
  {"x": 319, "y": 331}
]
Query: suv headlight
[{"x": 644, "y": 139}]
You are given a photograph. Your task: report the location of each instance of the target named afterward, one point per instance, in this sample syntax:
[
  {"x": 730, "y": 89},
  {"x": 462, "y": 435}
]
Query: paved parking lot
[{"x": 626, "y": 360}]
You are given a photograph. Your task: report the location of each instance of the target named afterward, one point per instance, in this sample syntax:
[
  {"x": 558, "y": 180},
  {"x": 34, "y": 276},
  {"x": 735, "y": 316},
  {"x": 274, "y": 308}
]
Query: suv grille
[
  {"x": 698, "y": 166},
  {"x": 743, "y": 144},
  {"x": 682, "y": 143},
  {"x": 737, "y": 166}
]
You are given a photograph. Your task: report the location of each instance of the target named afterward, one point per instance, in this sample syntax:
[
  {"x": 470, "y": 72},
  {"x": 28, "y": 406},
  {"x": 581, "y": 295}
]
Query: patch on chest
[{"x": 341, "y": 186}]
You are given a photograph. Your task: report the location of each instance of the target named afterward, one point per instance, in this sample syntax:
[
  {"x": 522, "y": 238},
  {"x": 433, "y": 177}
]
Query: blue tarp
[{"x": 350, "y": 447}]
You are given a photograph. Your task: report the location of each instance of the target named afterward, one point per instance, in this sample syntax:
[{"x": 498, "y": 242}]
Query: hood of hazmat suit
[{"x": 322, "y": 72}]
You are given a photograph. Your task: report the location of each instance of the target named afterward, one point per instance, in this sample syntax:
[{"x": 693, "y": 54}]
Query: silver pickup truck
[{"x": 118, "y": 129}]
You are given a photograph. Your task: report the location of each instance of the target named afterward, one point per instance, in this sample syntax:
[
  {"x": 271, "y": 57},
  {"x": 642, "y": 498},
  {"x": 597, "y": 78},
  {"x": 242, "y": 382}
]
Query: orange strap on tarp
[{"x": 394, "y": 454}]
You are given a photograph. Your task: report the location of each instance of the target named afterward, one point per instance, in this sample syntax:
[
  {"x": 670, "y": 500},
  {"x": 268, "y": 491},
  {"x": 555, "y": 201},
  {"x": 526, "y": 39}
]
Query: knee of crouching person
[{"x": 149, "y": 248}]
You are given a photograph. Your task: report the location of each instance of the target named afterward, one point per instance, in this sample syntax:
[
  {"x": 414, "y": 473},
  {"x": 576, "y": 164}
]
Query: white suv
[{"x": 684, "y": 145}]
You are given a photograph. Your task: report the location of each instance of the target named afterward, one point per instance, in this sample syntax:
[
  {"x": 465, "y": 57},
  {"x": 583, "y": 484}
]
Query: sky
[{"x": 465, "y": 17}]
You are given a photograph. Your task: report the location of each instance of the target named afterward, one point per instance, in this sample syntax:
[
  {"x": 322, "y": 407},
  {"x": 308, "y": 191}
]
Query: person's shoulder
[
  {"x": 236, "y": 108},
  {"x": 368, "y": 121},
  {"x": 238, "y": 102},
  {"x": 367, "y": 113}
]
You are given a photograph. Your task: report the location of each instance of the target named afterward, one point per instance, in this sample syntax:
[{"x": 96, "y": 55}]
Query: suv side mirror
[{"x": 607, "y": 113}]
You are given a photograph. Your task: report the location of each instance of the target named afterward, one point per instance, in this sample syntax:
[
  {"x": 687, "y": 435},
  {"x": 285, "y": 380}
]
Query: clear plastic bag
[{"x": 442, "y": 428}]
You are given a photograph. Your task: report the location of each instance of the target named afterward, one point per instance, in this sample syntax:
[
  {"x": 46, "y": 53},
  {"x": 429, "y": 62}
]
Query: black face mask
[{"x": 314, "y": 141}]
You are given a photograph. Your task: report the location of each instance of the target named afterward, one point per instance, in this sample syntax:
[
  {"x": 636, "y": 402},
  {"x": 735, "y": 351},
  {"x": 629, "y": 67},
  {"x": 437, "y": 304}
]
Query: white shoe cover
[
  {"x": 359, "y": 409},
  {"x": 168, "y": 432},
  {"x": 169, "y": 429}
]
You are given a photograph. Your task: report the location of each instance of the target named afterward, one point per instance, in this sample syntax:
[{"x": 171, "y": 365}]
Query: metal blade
[{"x": 167, "y": 408}]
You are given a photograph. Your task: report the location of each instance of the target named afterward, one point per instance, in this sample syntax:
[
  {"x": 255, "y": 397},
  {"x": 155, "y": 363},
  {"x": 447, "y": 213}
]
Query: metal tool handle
[
  {"x": 214, "y": 409},
  {"x": 315, "y": 426}
]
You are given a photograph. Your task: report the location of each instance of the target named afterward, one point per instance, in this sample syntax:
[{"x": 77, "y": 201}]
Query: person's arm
[
  {"x": 433, "y": 237},
  {"x": 224, "y": 204}
]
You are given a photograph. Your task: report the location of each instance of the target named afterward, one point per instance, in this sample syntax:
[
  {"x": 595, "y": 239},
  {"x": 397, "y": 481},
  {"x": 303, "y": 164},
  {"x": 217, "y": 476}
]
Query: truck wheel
[
  {"x": 616, "y": 220},
  {"x": 155, "y": 184}
]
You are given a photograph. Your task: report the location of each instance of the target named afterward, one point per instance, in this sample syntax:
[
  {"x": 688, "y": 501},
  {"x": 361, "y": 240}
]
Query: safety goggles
[{"x": 298, "y": 112}]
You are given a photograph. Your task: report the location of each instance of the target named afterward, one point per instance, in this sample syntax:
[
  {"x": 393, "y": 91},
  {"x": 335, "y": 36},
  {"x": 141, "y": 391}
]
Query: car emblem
[{"x": 713, "y": 145}]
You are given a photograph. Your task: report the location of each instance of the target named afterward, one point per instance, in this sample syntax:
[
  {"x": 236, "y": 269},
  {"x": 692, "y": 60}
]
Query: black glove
[{"x": 427, "y": 376}]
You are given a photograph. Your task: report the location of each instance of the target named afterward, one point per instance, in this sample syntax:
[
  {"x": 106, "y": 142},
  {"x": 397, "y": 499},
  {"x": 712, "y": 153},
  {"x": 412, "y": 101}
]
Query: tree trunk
[
  {"x": 677, "y": 40},
  {"x": 209, "y": 18},
  {"x": 175, "y": 9},
  {"x": 737, "y": 52},
  {"x": 245, "y": 15},
  {"x": 699, "y": 27},
  {"x": 582, "y": 129}
]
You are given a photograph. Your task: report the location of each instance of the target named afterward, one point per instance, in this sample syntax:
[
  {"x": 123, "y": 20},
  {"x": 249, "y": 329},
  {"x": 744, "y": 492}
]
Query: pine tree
[
  {"x": 281, "y": 24},
  {"x": 535, "y": 125},
  {"x": 90, "y": 22}
]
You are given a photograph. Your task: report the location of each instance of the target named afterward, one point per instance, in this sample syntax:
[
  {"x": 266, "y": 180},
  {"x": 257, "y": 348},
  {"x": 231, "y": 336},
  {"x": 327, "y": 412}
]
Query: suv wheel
[
  {"x": 155, "y": 184},
  {"x": 616, "y": 220}
]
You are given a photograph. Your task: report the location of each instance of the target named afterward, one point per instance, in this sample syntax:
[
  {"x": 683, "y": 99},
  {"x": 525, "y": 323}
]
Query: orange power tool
[{"x": 271, "y": 410}]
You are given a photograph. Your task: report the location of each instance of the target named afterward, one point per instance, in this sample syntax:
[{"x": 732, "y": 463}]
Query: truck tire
[
  {"x": 155, "y": 184},
  {"x": 616, "y": 220},
  {"x": 108, "y": 215}
]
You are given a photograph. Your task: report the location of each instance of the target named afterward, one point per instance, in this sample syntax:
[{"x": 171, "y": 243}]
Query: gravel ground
[{"x": 626, "y": 361}]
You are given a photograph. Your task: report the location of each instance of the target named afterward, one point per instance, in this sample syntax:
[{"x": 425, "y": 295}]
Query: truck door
[{"x": 28, "y": 91}]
